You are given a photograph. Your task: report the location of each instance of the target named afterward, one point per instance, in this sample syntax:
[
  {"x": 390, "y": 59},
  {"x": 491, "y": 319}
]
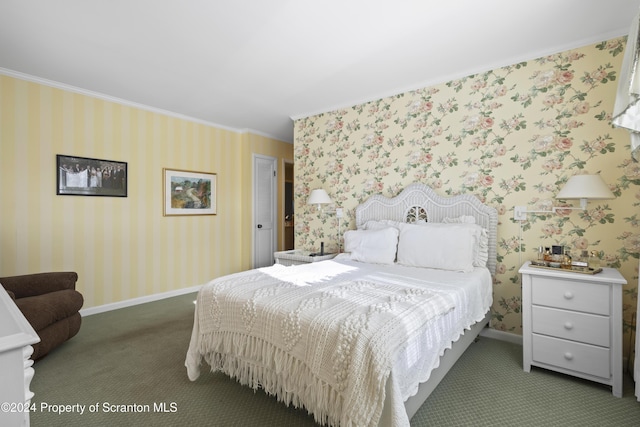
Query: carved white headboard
[{"x": 420, "y": 202}]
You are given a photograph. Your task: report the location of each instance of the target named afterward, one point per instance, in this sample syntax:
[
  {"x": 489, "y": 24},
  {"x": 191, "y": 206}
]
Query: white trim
[
  {"x": 486, "y": 332},
  {"x": 136, "y": 301},
  {"x": 74, "y": 89},
  {"x": 525, "y": 57},
  {"x": 501, "y": 335}
]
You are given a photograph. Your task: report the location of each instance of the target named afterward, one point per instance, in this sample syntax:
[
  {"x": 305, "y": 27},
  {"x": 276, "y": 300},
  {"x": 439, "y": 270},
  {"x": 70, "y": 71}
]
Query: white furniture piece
[
  {"x": 296, "y": 257},
  {"x": 572, "y": 323},
  {"x": 16, "y": 337}
]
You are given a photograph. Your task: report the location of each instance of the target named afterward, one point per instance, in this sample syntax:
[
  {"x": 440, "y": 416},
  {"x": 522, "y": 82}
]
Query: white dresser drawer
[
  {"x": 572, "y": 295},
  {"x": 571, "y": 355},
  {"x": 571, "y": 325}
]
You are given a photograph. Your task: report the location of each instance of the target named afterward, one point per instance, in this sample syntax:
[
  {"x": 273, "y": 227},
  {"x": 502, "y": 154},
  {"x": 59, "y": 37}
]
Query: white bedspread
[{"x": 326, "y": 336}]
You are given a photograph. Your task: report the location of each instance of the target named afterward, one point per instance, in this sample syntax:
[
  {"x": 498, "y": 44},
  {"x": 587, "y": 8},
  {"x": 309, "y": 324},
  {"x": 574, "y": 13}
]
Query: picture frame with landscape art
[
  {"x": 189, "y": 192},
  {"x": 82, "y": 176}
]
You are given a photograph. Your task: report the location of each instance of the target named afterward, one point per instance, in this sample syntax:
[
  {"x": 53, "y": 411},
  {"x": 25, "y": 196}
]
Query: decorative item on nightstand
[
  {"x": 594, "y": 260},
  {"x": 581, "y": 263},
  {"x": 572, "y": 323}
]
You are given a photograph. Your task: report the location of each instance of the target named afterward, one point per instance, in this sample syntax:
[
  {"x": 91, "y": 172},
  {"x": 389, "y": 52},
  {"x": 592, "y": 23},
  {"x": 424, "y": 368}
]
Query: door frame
[{"x": 285, "y": 164}]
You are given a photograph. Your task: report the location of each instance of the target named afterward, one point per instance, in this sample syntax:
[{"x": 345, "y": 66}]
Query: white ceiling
[{"x": 254, "y": 64}]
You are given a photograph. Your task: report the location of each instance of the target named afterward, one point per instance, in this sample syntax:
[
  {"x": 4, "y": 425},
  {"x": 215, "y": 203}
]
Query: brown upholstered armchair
[{"x": 50, "y": 303}]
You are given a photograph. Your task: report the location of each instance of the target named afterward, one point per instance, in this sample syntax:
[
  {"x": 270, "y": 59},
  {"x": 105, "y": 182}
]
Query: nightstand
[
  {"x": 572, "y": 323},
  {"x": 296, "y": 257}
]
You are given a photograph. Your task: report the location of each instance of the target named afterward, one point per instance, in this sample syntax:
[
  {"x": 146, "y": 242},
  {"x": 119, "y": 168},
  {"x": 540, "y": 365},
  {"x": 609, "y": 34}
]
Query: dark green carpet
[{"x": 135, "y": 356}]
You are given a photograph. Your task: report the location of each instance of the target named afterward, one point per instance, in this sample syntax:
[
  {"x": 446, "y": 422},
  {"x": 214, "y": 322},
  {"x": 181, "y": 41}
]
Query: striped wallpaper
[{"x": 122, "y": 248}]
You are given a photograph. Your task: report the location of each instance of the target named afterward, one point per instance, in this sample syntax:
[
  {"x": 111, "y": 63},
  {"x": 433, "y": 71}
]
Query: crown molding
[
  {"x": 532, "y": 55},
  {"x": 116, "y": 100}
]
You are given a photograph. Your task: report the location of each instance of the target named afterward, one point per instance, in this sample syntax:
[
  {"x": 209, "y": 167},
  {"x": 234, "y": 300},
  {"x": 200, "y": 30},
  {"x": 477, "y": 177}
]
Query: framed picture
[
  {"x": 80, "y": 176},
  {"x": 189, "y": 193}
]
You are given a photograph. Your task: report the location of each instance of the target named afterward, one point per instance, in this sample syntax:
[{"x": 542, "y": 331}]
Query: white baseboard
[
  {"x": 135, "y": 301},
  {"x": 501, "y": 335},
  {"x": 486, "y": 332}
]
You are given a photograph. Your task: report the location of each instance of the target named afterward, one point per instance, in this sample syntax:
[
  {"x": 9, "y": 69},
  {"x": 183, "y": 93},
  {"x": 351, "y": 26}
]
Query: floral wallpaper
[{"x": 511, "y": 136}]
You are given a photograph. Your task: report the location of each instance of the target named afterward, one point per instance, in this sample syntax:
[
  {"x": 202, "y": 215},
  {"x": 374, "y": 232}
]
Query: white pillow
[
  {"x": 373, "y": 246},
  {"x": 481, "y": 249},
  {"x": 454, "y": 247}
]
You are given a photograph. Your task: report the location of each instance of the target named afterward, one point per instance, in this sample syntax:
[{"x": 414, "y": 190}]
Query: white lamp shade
[
  {"x": 590, "y": 187},
  {"x": 319, "y": 197}
]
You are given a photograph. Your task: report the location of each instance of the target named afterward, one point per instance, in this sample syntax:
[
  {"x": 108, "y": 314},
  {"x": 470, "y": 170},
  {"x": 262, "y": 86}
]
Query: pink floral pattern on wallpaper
[{"x": 511, "y": 136}]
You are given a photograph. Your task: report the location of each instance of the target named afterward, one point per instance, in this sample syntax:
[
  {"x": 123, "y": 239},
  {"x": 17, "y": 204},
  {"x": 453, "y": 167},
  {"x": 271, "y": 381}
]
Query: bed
[{"x": 364, "y": 338}]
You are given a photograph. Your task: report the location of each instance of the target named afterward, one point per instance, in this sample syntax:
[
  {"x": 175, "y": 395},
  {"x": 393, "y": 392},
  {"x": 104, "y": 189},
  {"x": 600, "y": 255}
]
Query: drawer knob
[
  {"x": 568, "y": 356},
  {"x": 568, "y": 295},
  {"x": 568, "y": 326}
]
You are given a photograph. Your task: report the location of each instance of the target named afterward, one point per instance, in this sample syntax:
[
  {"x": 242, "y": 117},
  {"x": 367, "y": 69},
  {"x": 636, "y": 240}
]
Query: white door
[{"x": 265, "y": 229}]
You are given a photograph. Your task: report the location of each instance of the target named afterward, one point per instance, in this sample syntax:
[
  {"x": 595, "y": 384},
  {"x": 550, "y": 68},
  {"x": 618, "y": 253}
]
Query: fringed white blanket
[{"x": 328, "y": 347}]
